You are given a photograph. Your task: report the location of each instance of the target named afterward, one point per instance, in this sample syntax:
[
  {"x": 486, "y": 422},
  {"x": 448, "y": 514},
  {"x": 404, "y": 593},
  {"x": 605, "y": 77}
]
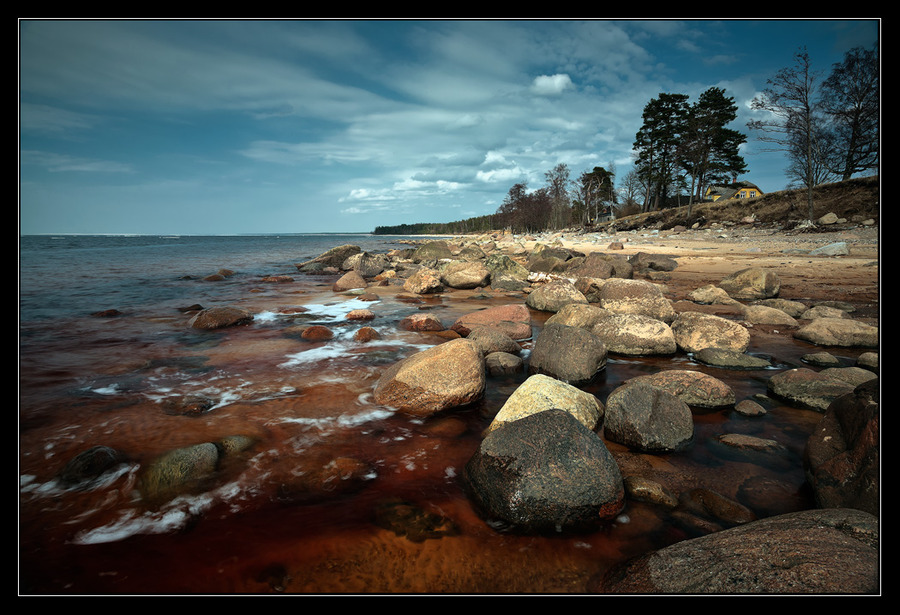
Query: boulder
[
  {"x": 636, "y": 335},
  {"x": 545, "y": 472},
  {"x": 838, "y": 248},
  {"x": 765, "y": 315},
  {"x": 471, "y": 252},
  {"x": 570, "y": 354},
  {"x": 432, "y": 251},
  {"x": 642, "y": 261},
  {"x": 695, "y": 331},
  {"x": 178, "y": 471},
  {"x": 788, "y": 306},
  {"x": 89, "y": 465},
  {"x": 503, "y": 364},
  {"x": 751, "y": 283},
  {"x": 365, "y": 264},
  {"x": 695, "y": 388},
  {"x": 636, "y": 297},
  {"x": 423, "y": 282},
  {"x": 422, "y": 322},
  {"x": 547, "y": 264},
  {"x": 219, "y": 317},
  {"x": 711, "y": 295},
  {"x": 647, "y": 418},
  {"x": 334, "y": 257},
  {"x": 589, "y": 287},
  {"x": 843, "y": 332},
  {"x": 500, "y": 264},
  {"x": 730, "y": 359},
  {"x": 830, "y": 551},
  {"x": 349, "y": 281},
  {"x": 579, "y": 315},
  {"x": 807, "y": 388},
  {"x": 554, "y": 295},
  {"x": 490, "y": 339},
  {"x": 466, "y": 274},
  {"x": 539, "y": 393},
  {"x": 603, "y": 266},
  {"x": 823, "y": 311},
  {"x": 513, "y": 319},
  {"x": 444, "y": 376},
  {"x": 594, "y": 265},
  {"x": 842, "y": 455}
]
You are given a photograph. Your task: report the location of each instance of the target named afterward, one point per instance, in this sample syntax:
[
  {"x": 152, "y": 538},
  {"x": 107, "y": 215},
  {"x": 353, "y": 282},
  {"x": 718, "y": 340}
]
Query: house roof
[{"x": 727, "y": 191}]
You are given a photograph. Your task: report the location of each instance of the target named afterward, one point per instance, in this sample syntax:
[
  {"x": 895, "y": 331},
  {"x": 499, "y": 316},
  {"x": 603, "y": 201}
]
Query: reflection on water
[{"x": 268, "y": 521}]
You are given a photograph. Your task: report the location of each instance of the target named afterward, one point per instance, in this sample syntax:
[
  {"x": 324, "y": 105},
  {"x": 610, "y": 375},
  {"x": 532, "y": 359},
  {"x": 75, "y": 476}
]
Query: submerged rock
[{"x": 219, "y": 317}]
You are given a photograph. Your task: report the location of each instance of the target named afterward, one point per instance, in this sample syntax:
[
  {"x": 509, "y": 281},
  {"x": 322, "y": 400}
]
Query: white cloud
[{"x": 551, "y": 85}]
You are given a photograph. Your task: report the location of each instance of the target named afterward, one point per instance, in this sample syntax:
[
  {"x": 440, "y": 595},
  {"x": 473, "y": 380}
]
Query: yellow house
[{"x": 737, "y": 190}]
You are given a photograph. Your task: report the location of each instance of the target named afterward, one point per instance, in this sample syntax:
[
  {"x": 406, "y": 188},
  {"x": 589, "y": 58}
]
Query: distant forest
[{"x": 458, "y": 227}]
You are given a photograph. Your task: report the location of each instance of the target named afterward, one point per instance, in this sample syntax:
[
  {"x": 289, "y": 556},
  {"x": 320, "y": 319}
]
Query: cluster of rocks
[{"x": 542, "y": 465}]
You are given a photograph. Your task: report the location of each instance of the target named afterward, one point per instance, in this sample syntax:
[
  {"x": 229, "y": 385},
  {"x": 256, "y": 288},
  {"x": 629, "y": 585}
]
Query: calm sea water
[{"x": 86, "y": 380}]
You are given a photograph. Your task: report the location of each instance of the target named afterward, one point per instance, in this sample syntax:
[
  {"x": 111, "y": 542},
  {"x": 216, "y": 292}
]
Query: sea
[{"x": 107, "y": 357}]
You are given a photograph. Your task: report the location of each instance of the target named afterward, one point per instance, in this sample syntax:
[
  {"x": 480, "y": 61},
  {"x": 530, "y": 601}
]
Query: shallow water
[{"x": 87, "y": 380}]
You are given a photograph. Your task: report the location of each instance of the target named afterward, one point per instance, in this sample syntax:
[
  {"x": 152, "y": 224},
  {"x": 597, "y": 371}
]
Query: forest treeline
[{"x": 828, "y": 130}]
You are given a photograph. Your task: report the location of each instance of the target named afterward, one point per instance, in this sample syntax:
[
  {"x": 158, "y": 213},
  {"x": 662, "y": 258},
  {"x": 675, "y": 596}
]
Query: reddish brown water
[{"x": 104, "y": 380}]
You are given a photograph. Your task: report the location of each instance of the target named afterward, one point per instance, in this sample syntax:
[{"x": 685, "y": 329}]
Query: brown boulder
[
  {"x": 513, "y": 319},
  {"x": 444, "y": 376}
]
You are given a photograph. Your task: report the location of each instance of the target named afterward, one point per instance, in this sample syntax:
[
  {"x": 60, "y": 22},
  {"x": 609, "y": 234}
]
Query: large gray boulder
[
  {"x": 545, "y": 472},
  {"x": 502, "y": 265},
  {"x": 423, "y": 282},
  {"x": 570, "y": 354},
  {"x": 647, "y": 418},
  {"x": 579, "y": 315}
]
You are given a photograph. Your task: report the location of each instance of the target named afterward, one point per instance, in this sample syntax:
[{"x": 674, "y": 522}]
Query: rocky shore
[
  {"x": 558, "y": 459},
  {"x": 543, "y": 466}
]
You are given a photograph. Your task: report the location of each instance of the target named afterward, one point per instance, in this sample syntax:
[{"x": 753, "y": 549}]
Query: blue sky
[{"x": 302, "y": 126}]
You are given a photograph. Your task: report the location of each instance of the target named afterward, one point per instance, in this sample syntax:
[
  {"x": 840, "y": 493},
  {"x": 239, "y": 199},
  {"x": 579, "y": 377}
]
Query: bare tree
[
  {"x": 793, "y": 121},
  {"x": 850, "y": 98}
]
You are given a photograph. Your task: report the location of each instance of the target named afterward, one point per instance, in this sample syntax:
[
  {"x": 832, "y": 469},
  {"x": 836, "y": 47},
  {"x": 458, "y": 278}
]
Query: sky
[{"x": 225, "y": 127}]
